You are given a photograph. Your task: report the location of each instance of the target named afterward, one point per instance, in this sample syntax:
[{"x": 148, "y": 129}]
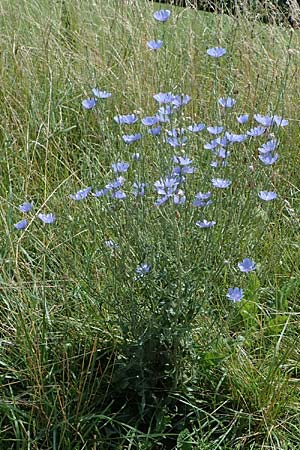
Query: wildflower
[
  {"x": 216, "y": 52},
  {"x": 243, "y": 118},
  {"x": 247, "y": 265},
  {"x": 280, "y": 121},
  {"x": 268, "y": 159},
  {"x": 120, "y": 167},
  {"x": 235, "y": 294},
  {"x": 205, "y": 223},
  {"x": 257, "y": 131},
  {"x": 232, "y": 138},
  {"x": 154, "y": 45},
  {"x": 26, "y": 207},
  {"x": 215, "y": 130},
  {"x": 89, "y": 103},
  {"x": 220, "y": 183},
  {"x": 180, "y": 100},
  {"x": 176, "y": 142},
  {"x": 119, "y": 195},
  {"x": 126, "y": 119},
  {"x": 267, "y": 195},
  {"x": 269, "y": 146},
  {"x": 101, "y": 192},
  {"x": 179, "y": 198},
  {"x": 162, "y": 97},
  {"x": 47, "y": 218},
  {"x": 142, "y": 270},
  {"x": 196, "y": 128},
  {"x": 111, "y": 244},
  {"x": 202, "y": 199},
  {"x": 266, "y": 121},
  {"x": 155, "y": 131},
  {"x": 21, "y": 225},
  {"x": 149, "y": 121},
  {"x": 227, "y": 102},
  {"x": 81, "y": 195},
  {"x": 129, "y": 138},
  {"x": 101, "y": 94},
  {"x": 162, "y": 15}
]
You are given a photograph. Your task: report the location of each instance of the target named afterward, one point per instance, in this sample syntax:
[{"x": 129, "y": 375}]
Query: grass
[{"x": 92, "y": 356}]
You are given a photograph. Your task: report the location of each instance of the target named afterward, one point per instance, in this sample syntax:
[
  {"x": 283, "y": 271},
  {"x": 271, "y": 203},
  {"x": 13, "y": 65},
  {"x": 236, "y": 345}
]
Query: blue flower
[
  {"x": 154, "y": 45},
  {"x": 119, "y": 195},
  {"x": 268, "y": 159},
  {"x": 120, "y": 167},
  {"x": 227, "y": 102},
  {"x": 220, "y": 183},
  {"x": 81, "y": 195},
  {"x": 47, "y": 218},
  {"x": 155, "y": 131},
  {"x": 180, "y": 100},
  {"x": 126, "y": 119},
  {"x": 101, "y": 94},
  {"x": 202, "y": 199},
  {"x": 215, "y": 130},
  {"x": 216, "y": 52},
  {"x": 267, "y": 195},
  {"x": 89, "y": 103},
  {"x": 196, "y": 128},
  {"x": 205, "y": 223},
  {"x": 26, "y": 207},
  {"x": 176, "y": 142},
  {"x": 247, "y": 265},
  {"x": 111, "y": 244},
  {"x": 162, "y": 15},
  {"x": 280, "y": 121},
  {"x": 116, "y": 184},
  {"x": 269, "y": 146},
  {"x": 101, "y": 192},
  {"x": 266, "y": 121},
  {"x": 162, "y": 97},
  {"x": 235, "y": 294},
  {"x": 21, "y": 225},
  {"x": 149, "y": 121},
  {"x": 243, "y": 118},
  {"x": 257, "y": 131},
  {"x": 142, "y": 270},
  {"x": 179, "y": 198},
  {"x": 235, "y": 137},
  {"x": 129, "y": 138}
]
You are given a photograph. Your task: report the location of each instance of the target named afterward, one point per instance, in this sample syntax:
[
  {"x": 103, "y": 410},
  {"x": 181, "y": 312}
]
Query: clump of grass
[{"x": 119, "y": 328}]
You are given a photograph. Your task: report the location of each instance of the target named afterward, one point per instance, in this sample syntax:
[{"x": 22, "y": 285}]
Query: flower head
[
  {"x": 142, "y": 270},
  {"x": 196, "y": 128},
  {"x": 243, "y": 118},
  {"x": 101, "y": 94},
  {"x": 126, "y": 119},
  {"x": 120, "y": 167},
  {"x": 21, "y": 225},
  {"x": 149, "y": 121},
  {"x": 162, "y": 15},
  {"x": 82, "y": 194},
  {"x": 164, "y": 97},
  {"x": 268, "y": 159},
  {"x": 267, "y": 195},
  {"x": 235, "y": 294},
  {"x": 47, "y": 218},
  {"x": 129, "y": 138},
  {"x": 154, "y": 45},
  {"x": 26, "y": 207},
  {"x": 257, "y": 131},
  {"x": 215, "y": 130},
  {"x": 89, "y": 103},
  {"x": 216, "y": 52},
  {"x": 205, "y": 223},
  {"x": 247, "y": 265},
  {"x": 220, "y": 183},
  {"x": 227, "y": 102}
]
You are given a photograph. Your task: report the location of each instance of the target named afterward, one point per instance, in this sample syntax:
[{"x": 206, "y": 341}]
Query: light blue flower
[
  {"x": 267, "y": 195},
  {"x": 120, "y": 167},
  {"x": 196, "y": 128},
  {"x": 162, "y": 15},
  {"x": 126, "y": 119},
  {"x": 101, "y": 94},
  {"x": 47, "y": 218},
  {"x": 215, "y": 130},
  {"x": 220, "y": 183},
  {"x": 235, "y": 294},
  {"x": 21, "y": 225},
  {"x": 227, "y": 102},
  {"x": 216, "y": 52},
  {"x": 154, "y": 45},
  {"x": 89, "y": 103},
  {"x": 243, "y": 118},
  {"x": 26, "y": 207},
  {"x": 268, "y": 159},
  {"x": 81, "y": 195},
  {"x": 257, "y": 131},
  {"x": 205, "y": 223},
  {"x": 129, "y": 138},
  {"x": 247, "y": 265}
]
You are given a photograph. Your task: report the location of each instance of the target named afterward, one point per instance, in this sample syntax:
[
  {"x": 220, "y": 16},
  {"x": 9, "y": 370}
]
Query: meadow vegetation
[{"x": 149, "y": 282}]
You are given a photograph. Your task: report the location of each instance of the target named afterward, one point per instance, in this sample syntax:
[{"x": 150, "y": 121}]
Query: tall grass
[{"x": 94, "y": 355}]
